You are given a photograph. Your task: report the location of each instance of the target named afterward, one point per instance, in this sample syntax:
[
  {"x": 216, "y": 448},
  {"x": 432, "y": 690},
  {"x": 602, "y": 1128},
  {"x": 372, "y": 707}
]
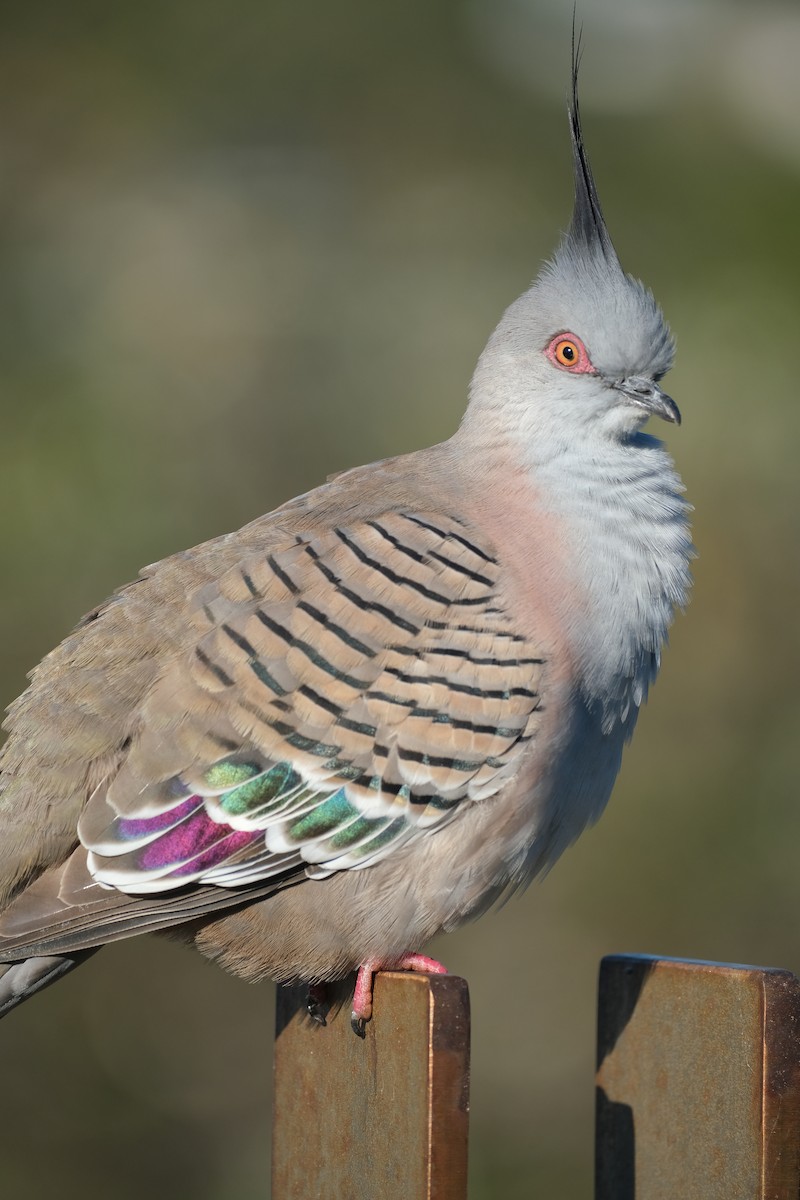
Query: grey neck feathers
[{"x": 628, "y": 521}]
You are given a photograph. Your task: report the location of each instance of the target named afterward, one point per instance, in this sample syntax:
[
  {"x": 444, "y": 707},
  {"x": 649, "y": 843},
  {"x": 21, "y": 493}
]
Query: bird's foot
[
  {"x": 317, "y": 1002},
  {"x": 362, "y": 997}
]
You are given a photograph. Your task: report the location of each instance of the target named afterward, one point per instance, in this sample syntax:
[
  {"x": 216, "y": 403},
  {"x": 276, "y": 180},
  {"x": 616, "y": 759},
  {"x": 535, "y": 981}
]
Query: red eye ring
[{"x": 567, "y": 352}]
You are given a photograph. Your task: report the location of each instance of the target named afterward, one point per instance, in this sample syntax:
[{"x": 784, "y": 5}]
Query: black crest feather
[{"x": 587, "y": 230}]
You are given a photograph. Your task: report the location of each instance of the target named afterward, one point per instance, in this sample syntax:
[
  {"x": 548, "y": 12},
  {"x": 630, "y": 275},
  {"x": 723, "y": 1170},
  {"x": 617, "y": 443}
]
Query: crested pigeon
[{"x": 309, "y": 746}]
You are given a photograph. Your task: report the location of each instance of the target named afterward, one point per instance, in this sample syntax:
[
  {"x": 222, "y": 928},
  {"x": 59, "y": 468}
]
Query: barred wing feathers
[{"x": 345, "y": 693}]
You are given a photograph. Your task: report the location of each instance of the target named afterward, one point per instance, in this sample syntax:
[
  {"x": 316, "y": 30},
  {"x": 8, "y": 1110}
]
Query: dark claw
[
  {"x": 359, "y": 1025},
  {"x": 316, "y": 1003}
]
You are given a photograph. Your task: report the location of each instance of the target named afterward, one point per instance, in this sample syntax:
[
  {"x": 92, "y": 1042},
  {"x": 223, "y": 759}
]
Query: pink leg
[{"x": 362, "y": 997}]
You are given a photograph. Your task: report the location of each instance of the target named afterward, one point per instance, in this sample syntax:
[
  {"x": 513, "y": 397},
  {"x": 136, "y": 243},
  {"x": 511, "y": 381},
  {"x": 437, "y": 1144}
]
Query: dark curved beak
[{"x": 648, "y": 395}]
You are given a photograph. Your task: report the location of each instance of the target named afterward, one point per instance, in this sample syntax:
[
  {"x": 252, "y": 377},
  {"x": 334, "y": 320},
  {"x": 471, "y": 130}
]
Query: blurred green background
[{"x": 244, "y": 245}]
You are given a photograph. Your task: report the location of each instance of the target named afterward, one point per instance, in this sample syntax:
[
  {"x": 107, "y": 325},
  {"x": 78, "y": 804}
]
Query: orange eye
[{"x": 566, "y": 352}]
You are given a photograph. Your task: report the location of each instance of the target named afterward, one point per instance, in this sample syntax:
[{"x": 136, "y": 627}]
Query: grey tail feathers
[{"x": 21, "y": 980}]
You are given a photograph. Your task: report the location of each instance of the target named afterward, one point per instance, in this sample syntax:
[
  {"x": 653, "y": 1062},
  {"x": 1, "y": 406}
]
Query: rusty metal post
[
  {"x": 698, "y": 1083},
  {"x": 383, "y": 1116}
]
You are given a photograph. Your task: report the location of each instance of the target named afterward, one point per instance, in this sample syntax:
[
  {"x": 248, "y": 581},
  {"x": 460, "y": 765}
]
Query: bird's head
[{"x": 583, "y": 351}]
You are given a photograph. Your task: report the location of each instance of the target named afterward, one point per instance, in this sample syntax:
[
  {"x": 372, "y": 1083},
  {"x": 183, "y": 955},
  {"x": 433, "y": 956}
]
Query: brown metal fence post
[
  {"x": 383, "y": 1116},
  {"x": 698, "y": 1083}
]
